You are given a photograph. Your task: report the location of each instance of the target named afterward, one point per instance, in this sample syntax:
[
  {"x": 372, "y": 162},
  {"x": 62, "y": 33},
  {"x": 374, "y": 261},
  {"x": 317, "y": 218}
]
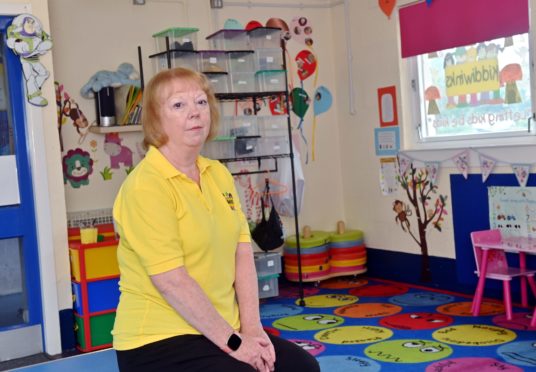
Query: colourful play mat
[{"x": 362, "y": 324}]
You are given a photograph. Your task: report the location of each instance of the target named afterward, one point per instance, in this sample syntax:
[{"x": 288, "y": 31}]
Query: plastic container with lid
[
  {"x": 269, "y": 59},
  {"x": 265, "y": 37},
  {"x": 271, "y": 80},
  {"x": 180, "y": 38},
  {"x": 229, "y": 39},
  {"x": 186, "y": 59},
  {"x": 219, "y": 81},
  {"x": 241, "y": 60},
  {"x": 213, "y": 61}
]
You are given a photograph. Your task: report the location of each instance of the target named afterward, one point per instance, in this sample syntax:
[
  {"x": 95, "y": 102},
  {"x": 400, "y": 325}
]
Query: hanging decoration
[
  {"x": 27, "y": 39},
  {"x": 403, "y": 163},
  {"x": 300, "y": 104},
  {"x": 461, "y": 161},
  {"x": 277, "y": 105},
  {"x": 302, "y": 30},
  {"x": 387, "y": 7},
  {"x": 486, "y": 164},
  {"x": 522, "y": 173},
  {"x": 306, "y": 63},
  {"x": 432, "y": 167},
  {"x": 322, "y": 102}
]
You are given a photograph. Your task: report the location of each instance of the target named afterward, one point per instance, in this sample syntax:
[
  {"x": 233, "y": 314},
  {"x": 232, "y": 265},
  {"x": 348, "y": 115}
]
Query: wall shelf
[{"x": 116, "y": 128}]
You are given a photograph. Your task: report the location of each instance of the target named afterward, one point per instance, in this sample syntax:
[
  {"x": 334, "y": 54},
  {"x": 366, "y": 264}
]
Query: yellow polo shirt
[{"x": 165, "y": 221}]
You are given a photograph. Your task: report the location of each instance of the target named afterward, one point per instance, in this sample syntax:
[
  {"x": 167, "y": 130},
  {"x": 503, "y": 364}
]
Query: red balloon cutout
[{"x": 387, "y": 6}]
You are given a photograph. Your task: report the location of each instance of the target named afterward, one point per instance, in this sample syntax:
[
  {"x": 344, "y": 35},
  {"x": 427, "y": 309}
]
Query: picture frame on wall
[{"x": 387, "y": 106}]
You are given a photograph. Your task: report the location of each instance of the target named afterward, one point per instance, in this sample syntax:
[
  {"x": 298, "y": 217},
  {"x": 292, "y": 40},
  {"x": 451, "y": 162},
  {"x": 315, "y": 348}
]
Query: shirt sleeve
[{"x": 148, "y": 219}]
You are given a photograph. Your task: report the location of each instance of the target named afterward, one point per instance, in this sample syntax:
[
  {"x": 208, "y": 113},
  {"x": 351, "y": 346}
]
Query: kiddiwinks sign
[{"x": 472, "y": 77}]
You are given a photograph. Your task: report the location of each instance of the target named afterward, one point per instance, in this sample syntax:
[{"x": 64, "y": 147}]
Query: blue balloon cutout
[
  {"x": 322, "y": 100},
  {"x": 232, "y": 24}
]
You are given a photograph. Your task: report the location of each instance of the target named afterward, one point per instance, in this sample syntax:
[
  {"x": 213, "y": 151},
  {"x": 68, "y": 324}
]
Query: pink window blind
[{"x": 450, "y": 23}]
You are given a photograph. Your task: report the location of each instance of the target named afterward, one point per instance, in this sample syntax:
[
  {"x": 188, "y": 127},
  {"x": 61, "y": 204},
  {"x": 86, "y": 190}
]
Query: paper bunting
[
  {"x": 404, "y": 163},
  {"x": 522, "y": 173},
  {"x": 462, "y": 162},
  {"x": 432, "y": 168},
  {"x": 486, "y": 164}
]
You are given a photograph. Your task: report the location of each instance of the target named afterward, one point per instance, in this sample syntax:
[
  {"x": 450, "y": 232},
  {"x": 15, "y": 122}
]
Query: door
[{"x": 20, "y": 291}]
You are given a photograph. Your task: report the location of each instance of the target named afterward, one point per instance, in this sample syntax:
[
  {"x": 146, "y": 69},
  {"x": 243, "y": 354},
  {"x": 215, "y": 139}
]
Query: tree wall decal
[{"x": 419, "y": 190}]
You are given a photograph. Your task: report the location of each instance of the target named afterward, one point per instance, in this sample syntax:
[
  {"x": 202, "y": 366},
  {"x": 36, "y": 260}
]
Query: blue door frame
[{"x": 18, "y": 221}]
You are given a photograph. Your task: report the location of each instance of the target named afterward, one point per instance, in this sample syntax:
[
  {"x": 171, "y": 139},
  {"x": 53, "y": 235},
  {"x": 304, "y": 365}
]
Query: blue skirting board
[{"x": 101, "y": 361}]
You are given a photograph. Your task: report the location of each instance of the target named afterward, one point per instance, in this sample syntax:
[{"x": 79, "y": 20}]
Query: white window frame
[{"x": 414, "y": 117}]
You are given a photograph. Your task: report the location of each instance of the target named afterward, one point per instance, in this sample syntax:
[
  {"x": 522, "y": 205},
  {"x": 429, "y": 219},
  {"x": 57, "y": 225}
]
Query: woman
[{"x": 188, "y": 285}]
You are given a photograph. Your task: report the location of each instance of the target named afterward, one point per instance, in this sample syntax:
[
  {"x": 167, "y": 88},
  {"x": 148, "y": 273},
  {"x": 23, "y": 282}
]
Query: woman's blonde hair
[{"x": 154, "y": 94}]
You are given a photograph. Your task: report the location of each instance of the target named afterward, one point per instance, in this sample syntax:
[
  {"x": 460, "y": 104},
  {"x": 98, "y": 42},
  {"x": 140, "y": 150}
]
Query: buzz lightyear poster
[{"x": 28, "y": 40}]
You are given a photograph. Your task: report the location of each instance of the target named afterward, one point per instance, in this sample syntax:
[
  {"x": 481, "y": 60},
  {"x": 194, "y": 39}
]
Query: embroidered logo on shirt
[{"x": 229, "y": 198}]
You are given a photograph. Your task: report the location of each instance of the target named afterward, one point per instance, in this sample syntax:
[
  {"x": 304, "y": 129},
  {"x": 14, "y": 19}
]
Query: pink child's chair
[{"x": 497, "y": 268}]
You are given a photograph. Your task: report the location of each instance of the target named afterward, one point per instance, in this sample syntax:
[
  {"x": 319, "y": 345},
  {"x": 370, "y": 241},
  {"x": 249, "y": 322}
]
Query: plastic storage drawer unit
[
  {"x": 219, "y": 148},
  {"x": 269, "y": 59},
  {"x": 243, "y": 82},
  {"x": 177, "y": 58},
  {"x": 100, "y": 331},
  {"x": 268, "y": 286},
  {"x": 229, "y": 40},
  {"x": 271, "y": 80},
  {"x": 267, "y": 263},
  {"x": 102, "y": 295},
  {"x": 244, "y": 126},
  {"x": 241, "y": 61},
  {"x": 212, "y": 61},
  {"x": 273, "y": 126},
  {"x": 219, "y": 81},
  {"x": 179, "y": 39},
  {"x": 265, "y": 37},
  {"x": 97, "y": 259}
]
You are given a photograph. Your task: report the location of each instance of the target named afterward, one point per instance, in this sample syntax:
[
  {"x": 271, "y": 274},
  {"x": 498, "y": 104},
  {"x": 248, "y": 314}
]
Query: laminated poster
[
  {"x": 387, "y": 141},
  {"x": 513, "y": 210},
  {"x": 388, "y": 182}
]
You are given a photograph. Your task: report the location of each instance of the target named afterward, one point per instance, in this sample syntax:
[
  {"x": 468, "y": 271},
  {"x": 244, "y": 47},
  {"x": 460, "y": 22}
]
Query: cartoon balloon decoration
[
  {"x": 300, "y": 102},
  {"x": 251, "y": 25},
  {"x": 279, "y": 23},
  {"x": 306, "y": 62},
  {"x": 387, "y": 6},
  {"x": 322, "y": 100},
  {"x": 232, "y": 24},
  {"x": 301, "y": 30}
]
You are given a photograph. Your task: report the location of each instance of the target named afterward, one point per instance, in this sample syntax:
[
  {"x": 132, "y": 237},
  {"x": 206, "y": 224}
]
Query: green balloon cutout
[{"x": 300, "y": 101}]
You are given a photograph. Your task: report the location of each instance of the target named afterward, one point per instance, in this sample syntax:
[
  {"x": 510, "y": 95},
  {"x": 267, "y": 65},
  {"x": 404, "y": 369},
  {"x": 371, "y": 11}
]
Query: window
[
  {"x": 475, "y": 91},
  {"x": 470, "y": 70}
]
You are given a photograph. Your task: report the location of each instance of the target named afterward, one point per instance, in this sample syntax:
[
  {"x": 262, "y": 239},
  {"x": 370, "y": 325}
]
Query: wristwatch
[{"x": 234, "y": 342}]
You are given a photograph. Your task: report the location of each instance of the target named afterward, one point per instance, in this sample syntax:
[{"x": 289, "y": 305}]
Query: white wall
[
  {"x": 377, "y": 64},
  {"x": 129, "y": 26}
]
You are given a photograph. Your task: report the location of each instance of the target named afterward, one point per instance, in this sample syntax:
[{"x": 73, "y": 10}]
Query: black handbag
[{"x": 268, "y": 234}]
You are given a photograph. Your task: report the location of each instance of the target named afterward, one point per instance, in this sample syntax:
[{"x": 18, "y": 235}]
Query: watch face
[{"x": 234, "y": 342}]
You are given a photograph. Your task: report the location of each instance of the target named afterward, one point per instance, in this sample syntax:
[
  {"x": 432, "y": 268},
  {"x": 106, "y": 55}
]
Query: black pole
[
  {"x": 168, "y": 53},
  {"x": 141, "y": 68},
  {"x": 291, "y": 148}
]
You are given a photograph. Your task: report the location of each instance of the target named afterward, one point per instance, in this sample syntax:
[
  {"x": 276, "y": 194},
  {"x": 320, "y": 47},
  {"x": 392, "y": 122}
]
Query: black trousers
[{"x": 191, "y": 353}]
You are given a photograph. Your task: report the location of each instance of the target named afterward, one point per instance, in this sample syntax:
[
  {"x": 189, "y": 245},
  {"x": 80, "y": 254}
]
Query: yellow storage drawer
[{"x": 94, "y": 261}]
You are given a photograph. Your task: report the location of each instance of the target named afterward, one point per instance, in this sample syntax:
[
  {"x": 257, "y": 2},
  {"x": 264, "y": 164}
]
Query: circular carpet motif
[
  {"x": 353, "y": 335},
  {"x": 474, "y": 335}
]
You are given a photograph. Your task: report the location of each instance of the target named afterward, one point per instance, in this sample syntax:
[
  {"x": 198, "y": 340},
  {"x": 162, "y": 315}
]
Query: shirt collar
[{"x": 159, "y": 161}]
